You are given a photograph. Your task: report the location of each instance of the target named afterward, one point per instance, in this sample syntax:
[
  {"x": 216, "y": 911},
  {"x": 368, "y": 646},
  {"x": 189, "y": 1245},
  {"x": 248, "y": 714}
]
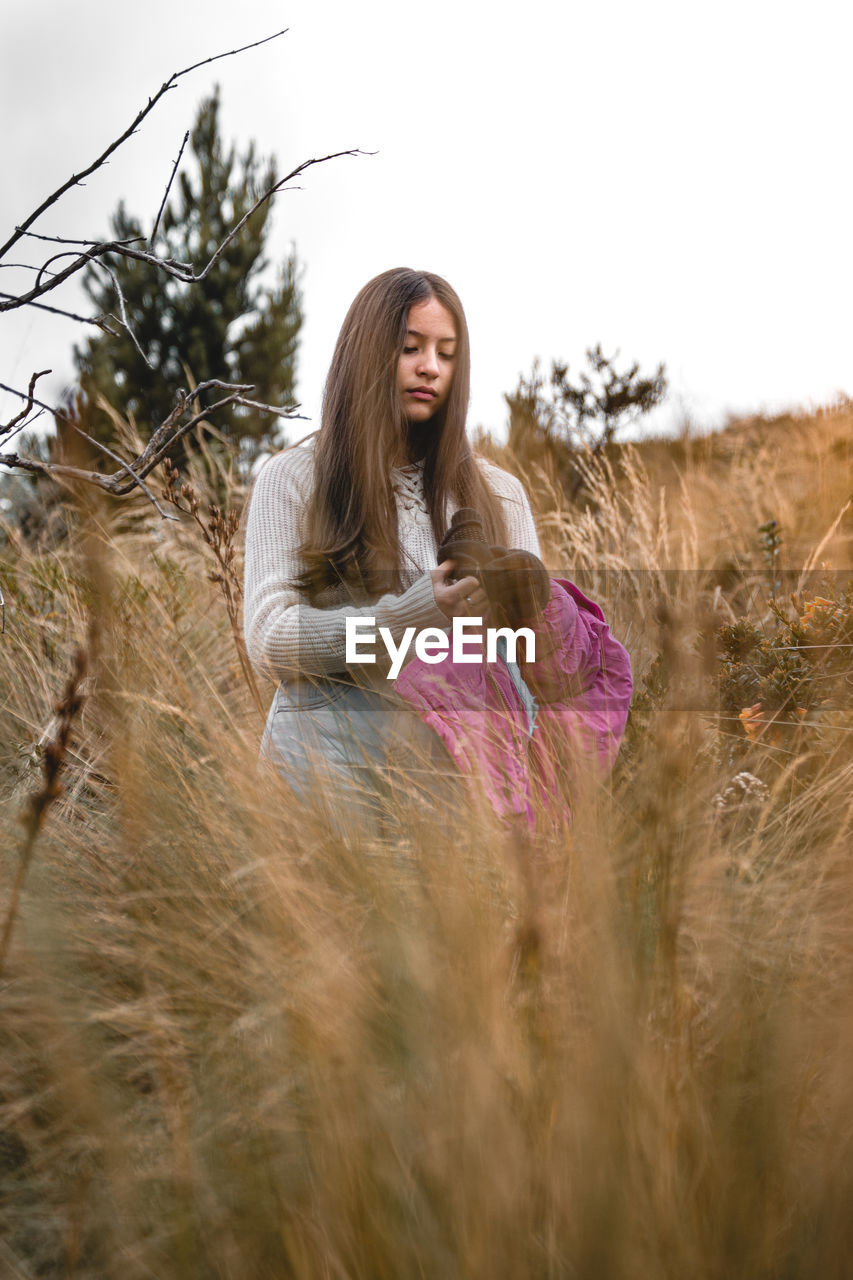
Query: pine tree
[{"x": 231, "y": 325}]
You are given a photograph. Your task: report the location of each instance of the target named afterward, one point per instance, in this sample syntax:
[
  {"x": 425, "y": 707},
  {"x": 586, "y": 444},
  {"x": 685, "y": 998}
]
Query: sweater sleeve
[
  {"x": 284, "y": 636},
  {"x": 520, "y": 527}
]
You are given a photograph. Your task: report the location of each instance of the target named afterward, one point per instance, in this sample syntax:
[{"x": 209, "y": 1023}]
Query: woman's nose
[{"x": 428, "y": 363}]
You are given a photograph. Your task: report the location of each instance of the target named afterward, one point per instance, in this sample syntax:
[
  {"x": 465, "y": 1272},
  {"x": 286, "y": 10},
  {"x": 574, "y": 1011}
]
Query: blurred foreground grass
[{"x": 235, "y": 1044}]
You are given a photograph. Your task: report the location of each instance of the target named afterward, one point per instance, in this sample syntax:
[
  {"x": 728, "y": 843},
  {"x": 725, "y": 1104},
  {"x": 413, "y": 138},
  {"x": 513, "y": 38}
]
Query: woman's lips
[{"x": 422, "y": 393}]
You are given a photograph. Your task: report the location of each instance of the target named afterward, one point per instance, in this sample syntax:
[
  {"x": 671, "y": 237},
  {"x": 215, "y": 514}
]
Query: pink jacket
[{"x": 581, "y": 680}]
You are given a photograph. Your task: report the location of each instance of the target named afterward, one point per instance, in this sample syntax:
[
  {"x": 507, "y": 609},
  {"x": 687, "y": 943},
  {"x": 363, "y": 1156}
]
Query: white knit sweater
[{"x": 286, "y": 637}]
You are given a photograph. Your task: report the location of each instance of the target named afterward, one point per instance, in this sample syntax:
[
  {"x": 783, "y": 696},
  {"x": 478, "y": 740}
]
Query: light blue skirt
[{"x": 355, "y": 751}]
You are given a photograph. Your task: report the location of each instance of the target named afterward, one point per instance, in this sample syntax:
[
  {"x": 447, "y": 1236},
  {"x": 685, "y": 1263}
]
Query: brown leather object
[
  {"x": 517, "y": 585},
  {"x": 515, "y": 581},
  {"x": 465, "y": 543}
]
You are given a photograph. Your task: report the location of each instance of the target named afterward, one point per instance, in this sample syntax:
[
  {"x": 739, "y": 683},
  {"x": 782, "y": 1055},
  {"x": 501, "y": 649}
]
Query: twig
[
  {"x": 149, "y": 458},
  {"x": 278, "y": 186},
  {"x": 36, "y": 467},
  {"x": 76, "y": 178},
  {"x": 162, "y": 432},
  {"x": 9, "y": 435},
  {"x": 29, "y": 397},
  {"x": 12, "y": 460},
  {"x": 36, "y": 235},
  {"x": 123, "y": 321},
  {"x": 147, "y": 462},
  {"x": 43, "y": 269},
  {"x": 168, "y": 189},
  {"x": 137, "y": 480},
  {"x": 219, "y": 533},
  {"x": 55, "y": 752},
  {"x": 80, "y": 261},
  {"x": 182, "y": 271},
  {"x": 271, "y": 408},
  {"x": 18, "y": 266},
  {"x": 163, "y": 439},
  {"x": 98, "y": 321},
  {"x": 230, "y": 53}
]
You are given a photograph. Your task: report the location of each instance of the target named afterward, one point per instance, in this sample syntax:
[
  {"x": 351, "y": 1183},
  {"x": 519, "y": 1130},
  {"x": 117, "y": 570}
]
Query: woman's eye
[
  {"x": 409, "y": 351},
  {"x": 446, "y": 355}
]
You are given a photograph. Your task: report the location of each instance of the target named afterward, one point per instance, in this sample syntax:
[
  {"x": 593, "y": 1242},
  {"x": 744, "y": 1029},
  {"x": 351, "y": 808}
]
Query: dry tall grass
[{"x": 236, "y": 1044}]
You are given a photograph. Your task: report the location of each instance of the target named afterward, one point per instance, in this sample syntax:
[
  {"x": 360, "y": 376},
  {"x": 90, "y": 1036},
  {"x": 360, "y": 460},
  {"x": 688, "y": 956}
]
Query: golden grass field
[{"x": 234, "y": 1043}]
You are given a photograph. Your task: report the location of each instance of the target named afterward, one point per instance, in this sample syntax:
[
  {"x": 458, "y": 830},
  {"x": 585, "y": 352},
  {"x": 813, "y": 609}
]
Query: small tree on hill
[
  {"x": 581, "y": 418},
  {"x": 227, "y": 325}
]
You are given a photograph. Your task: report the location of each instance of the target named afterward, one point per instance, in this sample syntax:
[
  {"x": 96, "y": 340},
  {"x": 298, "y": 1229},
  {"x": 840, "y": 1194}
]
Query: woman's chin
[{"x": 419, "y": 410}]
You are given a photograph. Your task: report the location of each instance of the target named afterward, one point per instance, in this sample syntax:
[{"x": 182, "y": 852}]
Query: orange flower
[
  {"x": 753, "y": 720},
  {"x": 813, "y": 606}
]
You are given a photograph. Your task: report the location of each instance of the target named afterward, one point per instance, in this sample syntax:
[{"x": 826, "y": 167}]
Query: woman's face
[{"x": 428, "y": 360}]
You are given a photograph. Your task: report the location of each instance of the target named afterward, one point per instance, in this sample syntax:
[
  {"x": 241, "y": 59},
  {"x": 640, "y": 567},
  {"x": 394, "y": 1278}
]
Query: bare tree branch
[
  {"x": 181, "y": 271},
  {"x": 9, "y": 435},
  {"x": 125, "y": 466},
  {"x": 123, "y": 321},
  {"x": 189, "y": 410},
  {"x": 43, "y": 269},
  {"x": 35, "y": 235},
  {"x": 19, "y": 266},
  {"x": 132, "y": 474},
  {"x": 269, "y": 408},
  {"x": 98, "y": 321},
  {"x": 69, "y": 422},
  {"x": 30, "y": 399},
  {"x": 77, "y": 178},
  {"x": 57, "y": 278},
  {"x": 168, "y": 189},
  {"x": 55, "y": 752},
  {"x": 278, "y": 186},
  {"x": 150, "y": 458},
  {"x": 230, "y": 53},
  {"x": 162, "y": 441}
]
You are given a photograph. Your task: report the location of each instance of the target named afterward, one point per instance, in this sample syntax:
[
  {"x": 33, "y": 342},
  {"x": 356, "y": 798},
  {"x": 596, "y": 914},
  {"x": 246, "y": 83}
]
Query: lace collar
[{"x": 408, "y": 485}]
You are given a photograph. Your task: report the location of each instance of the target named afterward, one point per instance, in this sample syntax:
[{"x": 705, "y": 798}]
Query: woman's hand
[{"x": 462, "y": 599}]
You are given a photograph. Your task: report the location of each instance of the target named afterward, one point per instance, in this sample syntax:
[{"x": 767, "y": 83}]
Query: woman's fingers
[
  {"x": 476, "y": 600},
  {"x": 462, "y": 599}
]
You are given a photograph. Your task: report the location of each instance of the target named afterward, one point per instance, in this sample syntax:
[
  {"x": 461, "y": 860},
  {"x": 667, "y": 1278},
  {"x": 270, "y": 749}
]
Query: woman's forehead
[{"x": 431, "y": 319}]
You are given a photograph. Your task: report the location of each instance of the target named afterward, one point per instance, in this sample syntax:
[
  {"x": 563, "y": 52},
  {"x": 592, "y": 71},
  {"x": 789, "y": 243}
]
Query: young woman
[{"x": 347, "y": 525}]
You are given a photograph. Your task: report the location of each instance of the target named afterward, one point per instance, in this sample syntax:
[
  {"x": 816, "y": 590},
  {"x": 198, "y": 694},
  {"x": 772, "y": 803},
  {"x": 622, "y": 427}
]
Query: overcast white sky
[{"x": 668, "y": 178}]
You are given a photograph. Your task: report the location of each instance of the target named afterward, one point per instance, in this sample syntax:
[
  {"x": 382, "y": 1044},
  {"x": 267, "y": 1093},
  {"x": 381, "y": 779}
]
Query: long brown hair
[{"x": 351, "y": 526}]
